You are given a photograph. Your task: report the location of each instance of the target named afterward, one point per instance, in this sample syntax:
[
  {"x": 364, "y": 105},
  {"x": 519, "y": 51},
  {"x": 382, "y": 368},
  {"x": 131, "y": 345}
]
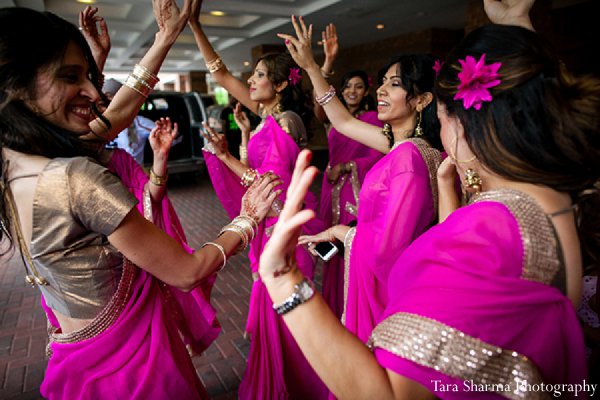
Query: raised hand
[
  {"x": 279, "y": 253},
  {"x": 241, "y": 119},
  {"x": 330, "y": 47},
  {"x": 257, "y": 201},
  {"x": 299, "y": 46},
  {"x": 98, "y": 40},
  {"x": 217, "y": 143},
  {"x": 509, "y": 12},
  {"x": 161, "y": 138},
  {"x": 195, "y": 12},
  {"x": 170, "y": 18}
]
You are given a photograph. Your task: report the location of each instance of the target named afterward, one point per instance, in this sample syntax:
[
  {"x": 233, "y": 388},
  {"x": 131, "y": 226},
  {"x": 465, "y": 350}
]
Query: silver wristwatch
[{"x": 303, "y": 292}]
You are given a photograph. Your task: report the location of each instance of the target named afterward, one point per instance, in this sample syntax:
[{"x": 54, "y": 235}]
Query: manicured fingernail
[{"x": 287, "y": 41}]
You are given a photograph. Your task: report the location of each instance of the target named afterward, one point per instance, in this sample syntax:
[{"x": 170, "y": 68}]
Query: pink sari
[
  {"x": 339, "y": 201},
  {"x": 476, "y": 301},
  {"x": 195, "y": 317},
  {"x": 132, "y": 349},
  {"x": 276, "y": 368},
  {"x": 397, "y": 204}
]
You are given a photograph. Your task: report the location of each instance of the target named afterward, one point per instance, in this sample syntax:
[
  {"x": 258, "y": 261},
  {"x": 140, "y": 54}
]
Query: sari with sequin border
[
  {"x": 339, "y": 200},
  {"x": 398, "y": 203},
  {"x": 473, "y": 311}
]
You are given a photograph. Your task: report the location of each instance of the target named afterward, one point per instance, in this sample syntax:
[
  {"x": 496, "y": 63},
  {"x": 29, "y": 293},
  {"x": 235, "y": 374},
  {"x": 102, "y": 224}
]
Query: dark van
[{"x": 188, "y": 110}]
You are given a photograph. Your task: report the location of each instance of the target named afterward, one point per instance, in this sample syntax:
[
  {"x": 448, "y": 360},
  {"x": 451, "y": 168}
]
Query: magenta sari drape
[
  {"x": 467, "y": 274},
  {"x": 396, "y": 206},
  {"x": 139, "y": 356},
  {"x": 343, "y": 150},
  {"x": 195, "y": 317},
  {"x": 276, "y": 368}
]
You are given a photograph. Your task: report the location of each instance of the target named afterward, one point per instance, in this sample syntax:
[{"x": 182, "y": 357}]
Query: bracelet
[
  {"x": 243, "y": 152},
  {"x": 326, "y": 74},
  {"x": 252, "y": 221},
  {"x": 221, "y": 249},
  {"x": 326, "y": 97},
  {"x": 303, "y": 291},
  {"x": 246, "y": 226},
  {"x": 141, "y": 80},
  {"x": 145, "y": 74},
  {"x": 240, "y": 232},
  {"x": 249, "y": 177},
  {"x": 215, "y": 65},
  {"x": 157, "y": 179}
]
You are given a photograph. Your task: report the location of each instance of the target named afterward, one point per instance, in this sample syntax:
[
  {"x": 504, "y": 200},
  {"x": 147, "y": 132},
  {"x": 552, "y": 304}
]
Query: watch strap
[{"x": 303, "y": 291}]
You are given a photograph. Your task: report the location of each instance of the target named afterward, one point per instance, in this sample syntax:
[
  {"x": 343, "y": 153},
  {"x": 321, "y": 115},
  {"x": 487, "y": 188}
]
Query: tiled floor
[{"x": 221, "y": 367}]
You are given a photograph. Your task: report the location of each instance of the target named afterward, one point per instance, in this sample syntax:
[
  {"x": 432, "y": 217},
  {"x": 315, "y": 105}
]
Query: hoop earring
[
  {"x": 418, "y": 129},
  {"x": 452, "y": 153},
  {"x": 473, "y": 180}
]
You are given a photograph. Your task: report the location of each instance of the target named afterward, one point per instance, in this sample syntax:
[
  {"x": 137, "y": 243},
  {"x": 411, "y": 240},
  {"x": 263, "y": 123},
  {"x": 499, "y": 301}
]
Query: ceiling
[{"x": 248, "y": 23}]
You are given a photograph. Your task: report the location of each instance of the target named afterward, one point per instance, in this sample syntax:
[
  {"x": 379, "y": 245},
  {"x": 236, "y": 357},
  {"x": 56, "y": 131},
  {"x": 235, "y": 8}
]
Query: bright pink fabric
[
  {"x": 342, "y": 150},
  {"x": 466, "y": 273},
  {"x": 276, "y": 368},
  {"x": 195, "y": 317},
  {"x": 396, "y": 206},
  {"x": 141, "y": 355}
]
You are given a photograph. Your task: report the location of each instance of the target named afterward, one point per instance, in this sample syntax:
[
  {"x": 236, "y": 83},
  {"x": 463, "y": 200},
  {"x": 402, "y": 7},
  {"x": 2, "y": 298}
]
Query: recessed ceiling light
[
  {"x": 246, "y": 63},
  {"x": 379, "y": 26},
  {"x": 217, "y": 13},
  {"x": 86, "y": 1}
]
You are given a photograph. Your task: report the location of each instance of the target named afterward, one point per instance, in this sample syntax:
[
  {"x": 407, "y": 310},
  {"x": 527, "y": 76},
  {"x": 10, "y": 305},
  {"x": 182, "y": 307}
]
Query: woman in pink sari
[
  {"x": 76, "y": 225},
  {"x": 398, "y": 199},
  {"x": 481, "y": 305},
  {"x": 276, "y": 369},
  {"x": 349, "y": 162}
]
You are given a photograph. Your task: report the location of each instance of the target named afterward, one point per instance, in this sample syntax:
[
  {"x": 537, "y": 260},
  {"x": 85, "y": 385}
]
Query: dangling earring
[
  {"x": 418, "y": 129},
  {"x": 472, "y": 180},
  {"x": 387, "y": 131},
  {"x": 452, "y": 153},
  {"x": 278, "y": 109}
]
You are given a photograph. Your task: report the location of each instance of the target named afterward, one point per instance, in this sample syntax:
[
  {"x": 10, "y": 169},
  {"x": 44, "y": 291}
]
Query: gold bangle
[
  {"x": 249, "y": 177},
  {"x": 240, "y": 232},
  {"x": 157, "y": 179},
  {"x": 243, "y": 152},
  {"x": 215, "y": 65},
  {"x": 326, "y": 74},
  {"x": 221, "y": 249},
  {"x": 145, "y": 74},
  {"x": 138, "y": 85}
]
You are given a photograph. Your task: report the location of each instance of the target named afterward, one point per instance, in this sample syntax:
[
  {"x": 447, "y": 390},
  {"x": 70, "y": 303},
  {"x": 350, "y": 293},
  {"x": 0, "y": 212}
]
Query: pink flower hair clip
[
  {"x": 294, "y": 77},
  {"x": 437, "y": 67},
  {"x": 475, "y": 80}
]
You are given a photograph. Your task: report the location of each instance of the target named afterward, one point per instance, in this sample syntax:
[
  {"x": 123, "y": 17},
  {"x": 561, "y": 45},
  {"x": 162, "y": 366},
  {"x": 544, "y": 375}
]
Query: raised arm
[
  {"x": 343, "y": 121},
  {"x": 161, "y": 139},
  {"x": 127, "y": 101},
  {"x": 98, "y": 40},
  {"x": 215, "y": 65},
  {"x": 330, "y": 48},
  {"x": 509, "y": 12}
]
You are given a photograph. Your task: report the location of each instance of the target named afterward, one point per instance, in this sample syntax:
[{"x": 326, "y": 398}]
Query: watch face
[{"x": 305, "y": 290}]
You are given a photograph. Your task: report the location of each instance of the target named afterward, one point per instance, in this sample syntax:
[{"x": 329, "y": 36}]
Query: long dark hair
[
  {"x": 541, "y": 127},
  {"x": 417, "y": 77},
  {"x": 293, "y": 98},
  {"x": 367, "y": 103},
  {"x": 31, "y": 41}
]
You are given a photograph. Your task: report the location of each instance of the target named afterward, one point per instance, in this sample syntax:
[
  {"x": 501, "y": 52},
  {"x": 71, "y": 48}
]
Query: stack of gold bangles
[
  {"x": 249, "y": 177},
  {"x": 245, "y": 227},
  {"x": 141, "y": 80},
  {"x": 215, "y": 65}
]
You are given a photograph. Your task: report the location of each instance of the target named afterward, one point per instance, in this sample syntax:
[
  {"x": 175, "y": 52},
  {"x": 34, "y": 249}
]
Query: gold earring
[
  {"x": 452, "y": 153},
  {"x": 418, "y": 129},
  {"x": 278, "y": 109},
  {"x": 387, "y": 131},
  {"x": 472, "y": 180}
]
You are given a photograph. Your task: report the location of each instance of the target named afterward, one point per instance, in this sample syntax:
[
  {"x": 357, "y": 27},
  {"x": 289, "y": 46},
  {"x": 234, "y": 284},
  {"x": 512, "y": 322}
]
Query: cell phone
[{"x": 326, "y": 250}]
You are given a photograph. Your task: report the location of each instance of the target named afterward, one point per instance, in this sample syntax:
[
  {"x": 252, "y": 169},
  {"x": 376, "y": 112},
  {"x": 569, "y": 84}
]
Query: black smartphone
[{"x": 326, "y": 250}]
